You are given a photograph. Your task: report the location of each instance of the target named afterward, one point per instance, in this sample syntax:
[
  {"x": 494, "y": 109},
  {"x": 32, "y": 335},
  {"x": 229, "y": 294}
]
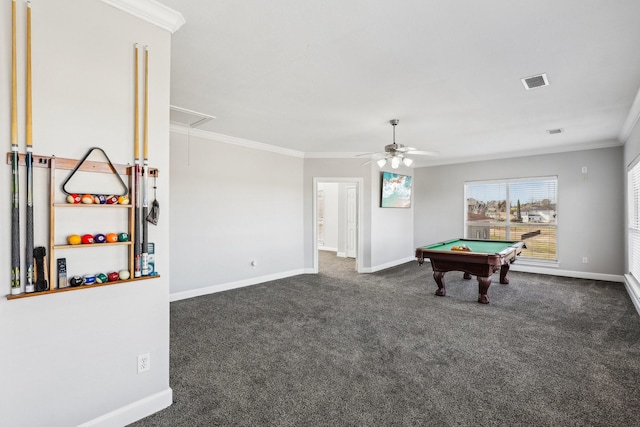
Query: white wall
[
  {"x": 392, "y": 240},
  {"x": 335, "y": 168},
  {"x": 232, "y": 205},
  {"x": 71, "y": 358},
  {"x": 384, "y": 245},
  {"x": 590, "y": 213}
]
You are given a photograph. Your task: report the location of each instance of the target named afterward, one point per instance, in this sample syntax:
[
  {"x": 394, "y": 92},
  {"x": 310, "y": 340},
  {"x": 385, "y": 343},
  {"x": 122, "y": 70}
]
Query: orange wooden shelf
[
  {"x": 53, "y": 163},
  {"x": 77, "y": 288}
]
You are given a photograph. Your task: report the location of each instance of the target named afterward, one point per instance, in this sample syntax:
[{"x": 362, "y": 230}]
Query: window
[
  {"x": 633, "y": 202},
  {"x": 515, "y": 209}
]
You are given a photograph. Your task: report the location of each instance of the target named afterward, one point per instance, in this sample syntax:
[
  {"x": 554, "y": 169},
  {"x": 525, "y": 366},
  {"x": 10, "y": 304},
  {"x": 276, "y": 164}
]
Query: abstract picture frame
[{"x": 395, "y": 190}]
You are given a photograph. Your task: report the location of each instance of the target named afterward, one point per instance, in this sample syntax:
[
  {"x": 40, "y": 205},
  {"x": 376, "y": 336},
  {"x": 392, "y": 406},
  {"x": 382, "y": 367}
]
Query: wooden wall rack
[{"x": 53, "y": 163}]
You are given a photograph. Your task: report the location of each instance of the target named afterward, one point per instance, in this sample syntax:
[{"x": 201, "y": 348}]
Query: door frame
[
  {"x": 348, "y": 188},
  {"x": 359, "y": 183}
]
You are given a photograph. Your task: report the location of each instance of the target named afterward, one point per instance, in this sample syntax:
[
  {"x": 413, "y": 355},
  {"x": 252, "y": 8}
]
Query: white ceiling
[{"x": 327, "y": 76}]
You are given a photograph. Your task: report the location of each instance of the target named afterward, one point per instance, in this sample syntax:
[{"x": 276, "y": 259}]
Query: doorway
[{"x": 337, "y": 219}]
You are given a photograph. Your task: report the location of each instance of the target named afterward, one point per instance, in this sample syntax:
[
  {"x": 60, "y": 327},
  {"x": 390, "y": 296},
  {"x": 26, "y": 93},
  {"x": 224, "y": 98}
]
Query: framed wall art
[{"x": 396, "y": 190}]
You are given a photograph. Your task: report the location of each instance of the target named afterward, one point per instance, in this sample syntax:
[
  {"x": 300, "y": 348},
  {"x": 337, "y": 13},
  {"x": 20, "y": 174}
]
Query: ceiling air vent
[
  {"x": 554, "y": 131},
  {"x": 534, "y": 82}
]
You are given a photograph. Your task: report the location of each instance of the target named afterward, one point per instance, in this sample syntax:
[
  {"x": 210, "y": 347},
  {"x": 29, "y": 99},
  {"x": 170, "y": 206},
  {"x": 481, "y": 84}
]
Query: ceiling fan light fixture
[
  {"x": 396, "y": 154},
  {"x": 395, "y": 162}
]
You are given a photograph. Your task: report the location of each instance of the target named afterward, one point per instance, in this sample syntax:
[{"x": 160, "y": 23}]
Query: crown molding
[
  {"x": 632, "y": 119},
  {"x": 185, "y": 130},
  {"x": 151, "y": 11},
  {"x": 593, "y": 145},
  {"x": 336, "y": 155}
]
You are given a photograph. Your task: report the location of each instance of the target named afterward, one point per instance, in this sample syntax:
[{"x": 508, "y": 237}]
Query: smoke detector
[{"x": 534, "y": 82}]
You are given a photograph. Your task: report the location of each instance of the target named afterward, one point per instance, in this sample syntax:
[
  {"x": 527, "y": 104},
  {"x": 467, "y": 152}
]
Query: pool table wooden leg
[
  {"x": 439, "y": 278},
  {"x": 503, "y": 274},
  {"x": 483, "y": 288}
]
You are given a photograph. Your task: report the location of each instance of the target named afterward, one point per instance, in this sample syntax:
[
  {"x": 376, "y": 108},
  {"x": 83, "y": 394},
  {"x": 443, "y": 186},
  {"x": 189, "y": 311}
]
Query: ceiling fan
[{"x": 396, "y": 153}]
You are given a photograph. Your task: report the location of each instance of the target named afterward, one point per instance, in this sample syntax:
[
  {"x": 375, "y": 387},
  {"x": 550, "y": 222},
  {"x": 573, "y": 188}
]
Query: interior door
[
  {"x": 320, "y": 217},
  {"x": 352, "y": 222}
]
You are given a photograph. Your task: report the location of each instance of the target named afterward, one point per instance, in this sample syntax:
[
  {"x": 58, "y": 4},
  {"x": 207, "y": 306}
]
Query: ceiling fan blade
[
  {"x": 373, "y": 156},
  {"x": 423, "y": 153},
  {"x": 404, "y": 149}
]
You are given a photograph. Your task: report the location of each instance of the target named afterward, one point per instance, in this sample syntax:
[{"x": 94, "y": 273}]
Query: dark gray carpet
[{"x": 342, "y": 349}]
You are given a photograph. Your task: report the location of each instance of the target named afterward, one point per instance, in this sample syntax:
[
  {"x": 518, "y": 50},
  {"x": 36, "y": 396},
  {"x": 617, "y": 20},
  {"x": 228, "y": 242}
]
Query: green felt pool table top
[{"x": 476, "y": 246}]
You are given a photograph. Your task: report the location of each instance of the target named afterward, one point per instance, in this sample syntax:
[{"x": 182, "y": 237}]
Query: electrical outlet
[
  {"x": 585, "y": 260},
  {"x": 144, "y": 362}
]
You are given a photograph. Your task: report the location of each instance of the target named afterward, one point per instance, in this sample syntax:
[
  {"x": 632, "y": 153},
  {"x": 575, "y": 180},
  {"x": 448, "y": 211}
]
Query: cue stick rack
[{"x": 57, "y": 163}]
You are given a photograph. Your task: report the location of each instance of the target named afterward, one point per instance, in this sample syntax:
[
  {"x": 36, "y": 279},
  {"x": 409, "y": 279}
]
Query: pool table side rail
[
  {"x": 508, "y": 254},
  {"x": 469, "y": 257},
  {"x": 513, "y": 244}
]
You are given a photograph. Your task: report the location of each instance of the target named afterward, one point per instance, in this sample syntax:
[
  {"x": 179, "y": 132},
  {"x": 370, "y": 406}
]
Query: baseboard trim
[
  {"x": 232, "y": 285},
  {"x": 567, "y": 273},
  {"x": 633, "y": 289},
  {"x": 386, "y": 265},
  {"x": 257, "y": 280},
  {"x": 134, "y": 411}
]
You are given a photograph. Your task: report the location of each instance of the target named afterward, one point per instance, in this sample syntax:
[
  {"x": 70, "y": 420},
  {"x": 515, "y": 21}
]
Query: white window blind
[
  {"x": 633, "y": 203},
  {"x": 515, "y": 209}
]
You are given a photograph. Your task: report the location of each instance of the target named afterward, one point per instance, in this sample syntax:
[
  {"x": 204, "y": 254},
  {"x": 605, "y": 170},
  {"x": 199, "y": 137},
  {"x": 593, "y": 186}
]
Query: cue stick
[
  {"x": 136, "y": 175},
  {"x": 145, "y": 168},
  {"x": 15, "y": 206},
  {"x": 29, "y": 283}
]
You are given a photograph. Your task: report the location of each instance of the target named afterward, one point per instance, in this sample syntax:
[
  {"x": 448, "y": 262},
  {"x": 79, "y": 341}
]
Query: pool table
[{"x": 483, "y": 259}]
